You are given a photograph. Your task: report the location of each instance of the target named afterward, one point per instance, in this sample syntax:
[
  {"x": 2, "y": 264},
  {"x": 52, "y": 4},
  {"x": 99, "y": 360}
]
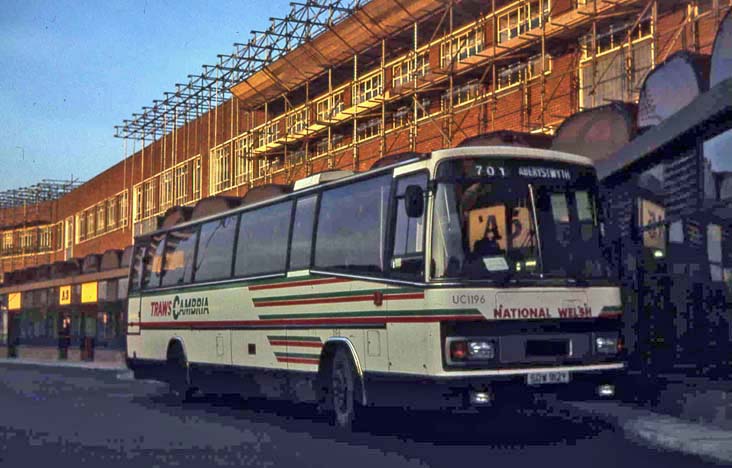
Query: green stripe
[
  {"x": 336, "y": 294},
  {"x": 298, "y": 355},
  {"x": 294, "y": 338},
  {"x": 231, "y": 285},
  {"x": 375, "y": 313},
  {"x": 617, "y": 307}
]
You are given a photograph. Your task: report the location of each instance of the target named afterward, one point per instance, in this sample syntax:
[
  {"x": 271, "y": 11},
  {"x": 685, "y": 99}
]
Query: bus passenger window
[
  {"x": 178, "y": 264},
  {"x": 215, "y": 249},
  {"x": 137, "y": 264},
  {"x": 352, "y": 225},
  {"x": 262, "y": 244},
  {"x": 302, "y": 233},
  {"x": 153, "y": 262}
]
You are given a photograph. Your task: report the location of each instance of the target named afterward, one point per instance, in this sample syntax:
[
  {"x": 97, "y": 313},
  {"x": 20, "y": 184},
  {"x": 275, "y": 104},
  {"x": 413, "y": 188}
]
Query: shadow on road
[{"x": 510, "y": 428}]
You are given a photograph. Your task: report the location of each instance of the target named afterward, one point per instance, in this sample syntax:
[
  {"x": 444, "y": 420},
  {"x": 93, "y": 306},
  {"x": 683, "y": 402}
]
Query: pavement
[{"x": 690, "y": 415}]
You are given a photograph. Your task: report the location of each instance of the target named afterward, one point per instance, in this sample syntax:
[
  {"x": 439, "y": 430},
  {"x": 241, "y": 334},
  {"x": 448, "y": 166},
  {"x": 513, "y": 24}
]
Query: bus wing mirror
[{"x": 414, "y": 201}]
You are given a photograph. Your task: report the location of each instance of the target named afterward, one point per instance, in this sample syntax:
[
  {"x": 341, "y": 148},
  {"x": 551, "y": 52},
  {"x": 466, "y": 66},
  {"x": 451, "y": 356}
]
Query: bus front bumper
[{"x": 464, "y": 389}]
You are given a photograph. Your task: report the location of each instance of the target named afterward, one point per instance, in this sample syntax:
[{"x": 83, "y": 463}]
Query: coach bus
[{"x": 460, "y": 277}]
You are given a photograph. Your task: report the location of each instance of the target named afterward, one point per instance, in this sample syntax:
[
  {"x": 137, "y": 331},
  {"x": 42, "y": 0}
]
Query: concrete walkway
[{"x": 662, "y": 431}]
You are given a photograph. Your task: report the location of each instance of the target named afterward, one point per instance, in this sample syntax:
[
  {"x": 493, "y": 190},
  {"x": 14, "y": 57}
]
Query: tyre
[
  {"x": 343, "y": 390},
  {"x": 178, "y": 377}
]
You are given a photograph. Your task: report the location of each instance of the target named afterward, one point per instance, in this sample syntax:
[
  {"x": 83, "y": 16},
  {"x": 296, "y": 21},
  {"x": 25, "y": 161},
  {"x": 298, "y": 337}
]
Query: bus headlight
[
  {"x": 607, "y": 345},
  {"x": 472, "y": 350},
  {"x": 481, "y": 349}
]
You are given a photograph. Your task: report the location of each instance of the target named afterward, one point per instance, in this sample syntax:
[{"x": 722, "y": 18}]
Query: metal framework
[
  {"x": 46, "y": 190},
  {"x": 210, "y": 88}
]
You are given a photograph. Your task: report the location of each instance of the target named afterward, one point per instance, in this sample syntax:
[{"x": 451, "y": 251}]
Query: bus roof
[{"x": 511, "y": 152}]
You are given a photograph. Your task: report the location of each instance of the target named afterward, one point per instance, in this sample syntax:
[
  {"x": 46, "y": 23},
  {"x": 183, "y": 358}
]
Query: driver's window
[{"x": 408, "y": 253}]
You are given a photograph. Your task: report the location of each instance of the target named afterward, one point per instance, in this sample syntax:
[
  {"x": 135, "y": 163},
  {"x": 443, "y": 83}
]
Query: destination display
[{"x": 499, "y": 168}]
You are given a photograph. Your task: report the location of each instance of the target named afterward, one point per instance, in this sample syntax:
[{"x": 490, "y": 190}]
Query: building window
[
  {"x": 297, "y": 121},
  {"x": 268, "y": 134},
  {"x": 462, "y": 94},
  {"x": 123, "y": 207},
  {"x": 149, "y": 198},
  {"x": 268, "y": 166},
  {"x": 461, "y": 47},
  {"x": 368, "y": 88},
  {"x": 27, "y": 240},
  {"x": 295, "y": 158},
  {"x": 405, "y": 114},
  {"x": 166, "y": 190},
  {"x": 614, "y": 36},
  {"x": 368, "y": 129},
  {"x": 80, "y": 227},
  {"x": 196, "y": 178},
  {"x": 45, "y": 238},
  {"x": 221, "y": 169},
  {"x": 242, "y": 152},
  {"x": 90, "y": 223},
  {"x": 111, "y": 212},
  {"x": 100, "y": 217},
  {"x": 606, "y": 79},
  {"x": 329, "y": 107},
  {"x": 515, "y": 73},
  {"x": 7, "y": 242},
  {"x": 181, "y": 186},
  {"x": 523, "y": 18},
  {"x": 410, "y": 69},
  {"x": 137, "y": 203}
]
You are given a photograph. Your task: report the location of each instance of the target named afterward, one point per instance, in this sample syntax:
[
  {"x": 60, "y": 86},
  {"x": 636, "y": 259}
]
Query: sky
[{"x": 72, "y": 70}]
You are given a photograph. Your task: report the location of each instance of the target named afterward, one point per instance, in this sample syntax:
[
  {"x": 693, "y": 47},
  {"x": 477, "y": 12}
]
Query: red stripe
[
  {"x": 610, "y": 314},
  {"x": 333, "y": 300},
  {"x": 303, "y": 344},
  {"x": 318, "y": 321},
  {"x": 292, "y": 284},
  {"x": 298, "y": 360}
]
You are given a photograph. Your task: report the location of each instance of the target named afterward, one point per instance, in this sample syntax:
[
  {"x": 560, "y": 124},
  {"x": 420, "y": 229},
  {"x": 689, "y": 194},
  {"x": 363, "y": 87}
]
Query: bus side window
[
  {"x": 178, "y": 264},
  {"x": 302, "y": 233},
  {"x": 153, "y": 263},
  {"x": 137, "y": 265},
  {"x": 215, "y": 249},
  {"x": 352, "y": 225},
  {"x": 262, "y": 242},
  {"x": 407, "y": 259}
]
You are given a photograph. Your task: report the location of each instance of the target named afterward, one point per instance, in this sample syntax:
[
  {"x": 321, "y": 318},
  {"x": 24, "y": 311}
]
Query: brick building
[{"x": 339, "y": 84}]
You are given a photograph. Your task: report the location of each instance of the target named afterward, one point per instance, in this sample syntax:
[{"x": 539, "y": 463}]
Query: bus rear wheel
[{"x": 343, "y": 388}]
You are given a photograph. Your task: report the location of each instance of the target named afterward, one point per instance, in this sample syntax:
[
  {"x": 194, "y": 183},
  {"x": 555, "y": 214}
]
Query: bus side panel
[{"x": 414, "y": 348}]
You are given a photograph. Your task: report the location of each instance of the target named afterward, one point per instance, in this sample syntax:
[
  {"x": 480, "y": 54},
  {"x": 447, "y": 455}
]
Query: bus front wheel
[{"x": 343, "y": 384}]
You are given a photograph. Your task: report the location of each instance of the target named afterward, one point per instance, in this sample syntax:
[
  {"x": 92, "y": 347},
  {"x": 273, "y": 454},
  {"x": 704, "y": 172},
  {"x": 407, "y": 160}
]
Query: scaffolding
[
  {"x": 210, "y": 88},
  {"x": 45, "y": 190},
  {"x": 466, "y": 67}
]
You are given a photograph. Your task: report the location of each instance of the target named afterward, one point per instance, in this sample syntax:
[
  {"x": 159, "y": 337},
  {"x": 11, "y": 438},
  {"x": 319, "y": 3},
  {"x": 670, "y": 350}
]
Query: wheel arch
[
  {"x": 330, "y": 347},
  {"x": 176, "y": 341}
]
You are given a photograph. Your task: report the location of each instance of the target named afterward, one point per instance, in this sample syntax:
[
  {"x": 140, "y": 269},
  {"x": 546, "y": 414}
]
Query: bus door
[{"x": 405, "y": 262}]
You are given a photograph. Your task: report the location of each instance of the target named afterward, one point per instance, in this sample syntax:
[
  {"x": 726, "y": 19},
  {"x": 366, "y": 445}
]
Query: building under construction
[{"x": 338, "y": 84}]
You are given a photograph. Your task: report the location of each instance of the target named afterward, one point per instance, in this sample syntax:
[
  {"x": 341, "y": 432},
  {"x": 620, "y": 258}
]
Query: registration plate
[{"x": 542, "y": 378}]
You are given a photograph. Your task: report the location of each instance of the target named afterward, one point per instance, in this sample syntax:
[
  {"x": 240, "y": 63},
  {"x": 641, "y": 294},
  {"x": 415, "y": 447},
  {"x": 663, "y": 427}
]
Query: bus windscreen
[{"x": 520, "y": 219}]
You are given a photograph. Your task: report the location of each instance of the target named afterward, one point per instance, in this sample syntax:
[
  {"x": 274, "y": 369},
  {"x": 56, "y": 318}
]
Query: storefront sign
[
  {"x": 89, "y": 292},
  {"x": 14, "y": 301},
  {"x": 64, "y": 295}
]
